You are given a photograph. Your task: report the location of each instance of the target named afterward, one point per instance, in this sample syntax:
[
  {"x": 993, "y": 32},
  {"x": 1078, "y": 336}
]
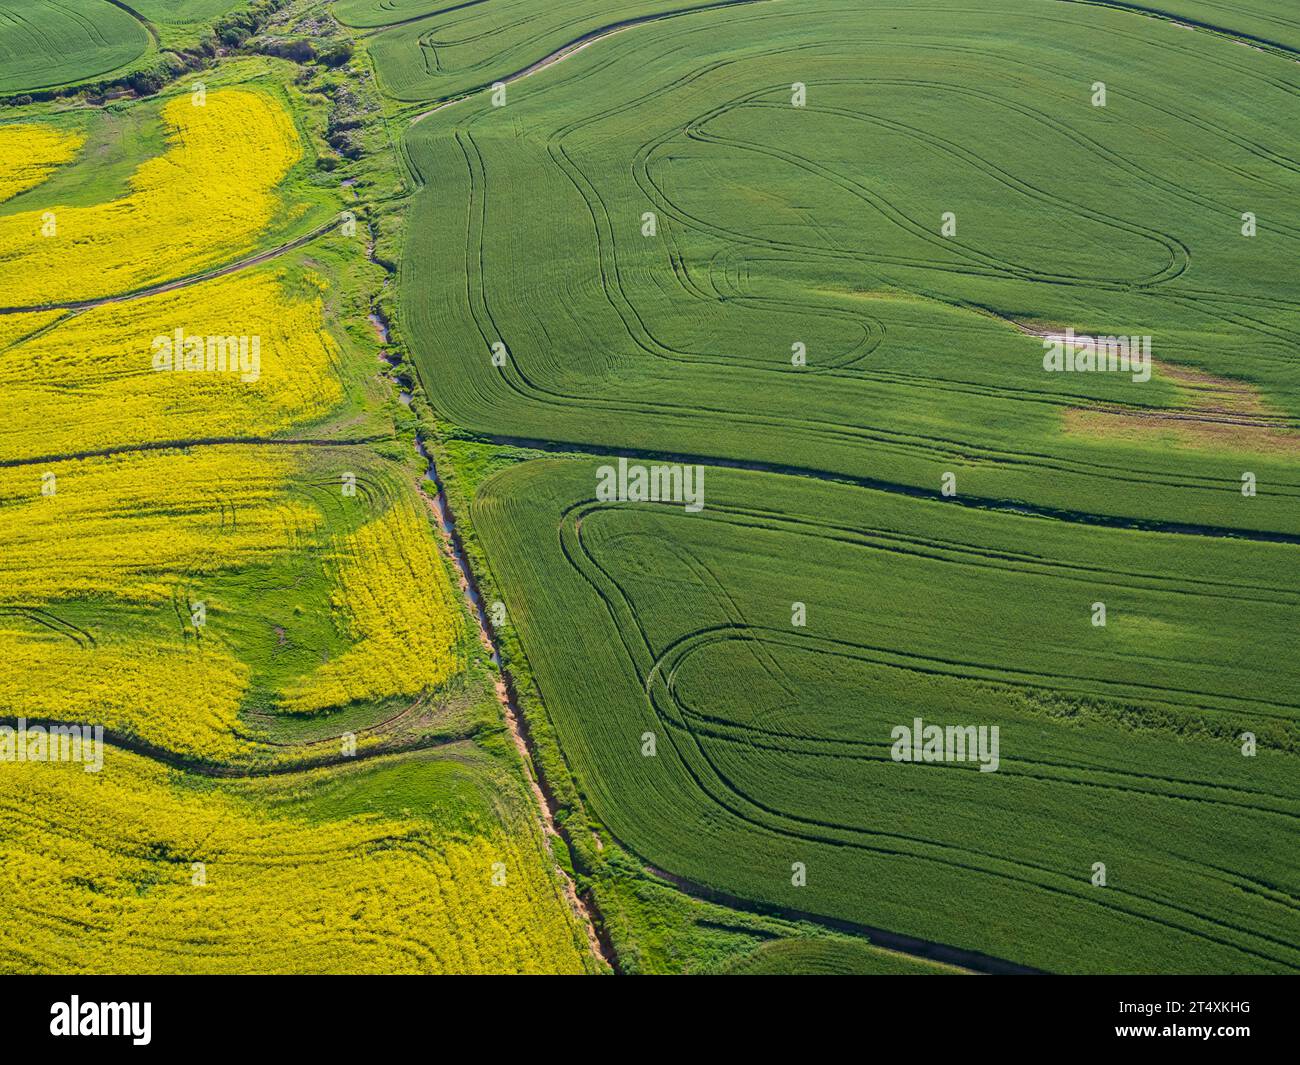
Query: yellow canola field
[
  {"x": 396, "y": 600},
  {"x": 97, "y": 874},
  {"x": 134, "y": 527},
  {"x": 183, "y": 699},
  {"x": 31, "y": 153},
  {"x": 202, "y": 202},
  {"x": 16, "y": 328},
  {"x": 107, "y": 377},
  {"x": 97, "y": 869}
]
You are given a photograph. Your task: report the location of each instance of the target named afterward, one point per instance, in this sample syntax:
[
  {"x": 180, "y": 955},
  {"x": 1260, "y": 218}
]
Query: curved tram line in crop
[
  {"x": 692, "y": 735},
  {"x": 532, "y": 390}
]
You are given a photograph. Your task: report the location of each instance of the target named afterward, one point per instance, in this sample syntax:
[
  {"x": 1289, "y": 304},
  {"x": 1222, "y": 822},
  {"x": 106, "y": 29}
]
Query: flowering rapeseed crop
[
  {"x": 395, "y": 598},
  {"x": 205, "y": 200},
  {"x": 98, "y": 379},
  {"x": 31, "y": 153},
  {"x": 126, "y": 870}
]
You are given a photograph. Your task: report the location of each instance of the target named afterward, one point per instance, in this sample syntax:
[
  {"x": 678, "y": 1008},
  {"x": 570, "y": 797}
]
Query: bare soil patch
[{"x": 1214, "y": 413}]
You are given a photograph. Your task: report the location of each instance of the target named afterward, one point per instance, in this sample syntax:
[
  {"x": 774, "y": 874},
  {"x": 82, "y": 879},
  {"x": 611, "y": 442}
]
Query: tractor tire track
[{"x": 182, "y": 282}]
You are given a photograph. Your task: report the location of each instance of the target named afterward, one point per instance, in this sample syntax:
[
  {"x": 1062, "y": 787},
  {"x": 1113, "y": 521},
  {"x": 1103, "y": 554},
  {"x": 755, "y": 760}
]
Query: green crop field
[
  {"x": 773, "y": 740},
  {"x": 44, "y": 43},
  {"x": 58, "y": 44},
  {"x": 820, "y": 226}
]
